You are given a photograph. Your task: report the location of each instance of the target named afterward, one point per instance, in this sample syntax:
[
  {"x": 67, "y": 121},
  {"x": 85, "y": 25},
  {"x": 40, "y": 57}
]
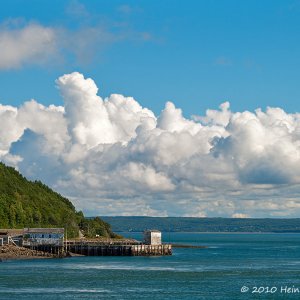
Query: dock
[
  {"x": 102, "y": 249},
  {"x": 53, "y": 241}
]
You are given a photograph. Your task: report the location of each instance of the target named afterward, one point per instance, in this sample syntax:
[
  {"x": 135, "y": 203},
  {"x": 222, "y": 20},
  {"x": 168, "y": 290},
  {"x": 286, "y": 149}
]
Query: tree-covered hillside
[{"x": 32, "y": 204}]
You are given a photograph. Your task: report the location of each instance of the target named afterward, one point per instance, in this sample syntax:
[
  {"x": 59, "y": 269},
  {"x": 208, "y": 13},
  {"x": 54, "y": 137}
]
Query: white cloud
[
  {"x": 145, "y": 177},
  {"x": 216, "y": 117},
  {"x": 33, "y": 43},
  {"x": 30, "y": 43},
  {"x": 116, "y": 157},
  {"x": 239, "y": 216},
  {"x": 93, "y": 121},
  {"x": 9, "y": 132}
]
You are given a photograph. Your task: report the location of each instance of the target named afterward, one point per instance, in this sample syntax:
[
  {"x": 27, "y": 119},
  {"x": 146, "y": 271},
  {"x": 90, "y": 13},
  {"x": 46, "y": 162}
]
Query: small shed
[
  {"x": 43, "y": 236},
  {"x": 4, "y": 238},
  {"x": 152, "y": 237},
  {"x": 10, "y": 236}
]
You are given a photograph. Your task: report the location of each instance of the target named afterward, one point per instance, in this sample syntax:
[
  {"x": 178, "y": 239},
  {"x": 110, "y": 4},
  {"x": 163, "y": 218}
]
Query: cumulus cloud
[{"x": 112, "y": 156}]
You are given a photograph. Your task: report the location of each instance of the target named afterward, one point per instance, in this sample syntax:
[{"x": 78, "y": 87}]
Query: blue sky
[
  {"x": 195, "y": 53},
  {"x": 116, "y": 157}
]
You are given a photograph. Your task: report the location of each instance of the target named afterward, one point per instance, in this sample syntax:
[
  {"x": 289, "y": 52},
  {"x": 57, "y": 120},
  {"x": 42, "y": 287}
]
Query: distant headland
[{"x": 189, "y": 224}]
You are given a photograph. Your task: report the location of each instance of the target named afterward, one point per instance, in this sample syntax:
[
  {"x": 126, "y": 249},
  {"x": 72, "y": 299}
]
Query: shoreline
[{"x": 12, "y": 252}]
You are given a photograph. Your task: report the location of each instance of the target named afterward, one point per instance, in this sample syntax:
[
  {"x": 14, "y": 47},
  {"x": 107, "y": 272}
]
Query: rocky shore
[{"x": 15, "y": 252}]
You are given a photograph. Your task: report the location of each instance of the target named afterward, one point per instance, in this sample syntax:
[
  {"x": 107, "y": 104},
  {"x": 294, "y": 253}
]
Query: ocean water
[{"x": 263, "y": 266}]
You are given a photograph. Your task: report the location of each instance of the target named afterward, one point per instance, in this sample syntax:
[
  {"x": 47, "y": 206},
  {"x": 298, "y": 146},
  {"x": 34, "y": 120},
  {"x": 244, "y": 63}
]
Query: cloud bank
[{"x": 113, "y": 157}]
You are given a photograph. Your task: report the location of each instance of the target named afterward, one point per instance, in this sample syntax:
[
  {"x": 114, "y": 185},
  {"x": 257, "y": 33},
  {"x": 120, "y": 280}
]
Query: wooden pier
[
  {"x": 56, "y": 251},
  {"x": 151, "y": 250},
  {"x": 88, "y": 248},
  {"x": 100, "y": 249}
]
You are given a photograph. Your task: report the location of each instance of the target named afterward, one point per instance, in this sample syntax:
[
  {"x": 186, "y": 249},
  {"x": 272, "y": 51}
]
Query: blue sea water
[{"x": 231, "y": 262}]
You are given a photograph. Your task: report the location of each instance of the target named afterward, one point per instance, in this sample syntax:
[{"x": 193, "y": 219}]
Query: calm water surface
[{"x": 230, "y": 262}]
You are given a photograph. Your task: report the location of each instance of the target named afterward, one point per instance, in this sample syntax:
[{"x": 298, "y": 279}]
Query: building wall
[
  {"x": 4, "y": 240},
  {"x": 155, "y": 238},
  {"x": 43, "y": 239},
  {"x": 46, "y": 236},
  {"x": 152, "y": 237}
]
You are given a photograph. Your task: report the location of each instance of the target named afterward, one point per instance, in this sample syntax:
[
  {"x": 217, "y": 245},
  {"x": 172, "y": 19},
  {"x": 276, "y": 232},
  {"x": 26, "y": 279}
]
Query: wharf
[
  {"x": 113, "y": 249},
  {"x": 95, "y": 248}
]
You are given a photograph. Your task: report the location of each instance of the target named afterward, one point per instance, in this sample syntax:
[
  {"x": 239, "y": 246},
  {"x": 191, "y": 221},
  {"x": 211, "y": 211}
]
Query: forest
[{"x": 25, "y": 203}]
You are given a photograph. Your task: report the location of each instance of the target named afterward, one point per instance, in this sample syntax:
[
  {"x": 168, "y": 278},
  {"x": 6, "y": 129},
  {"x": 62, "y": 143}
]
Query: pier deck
[
  {"x": 99, "y": 249},
  {"x": 94, "y": 248}
]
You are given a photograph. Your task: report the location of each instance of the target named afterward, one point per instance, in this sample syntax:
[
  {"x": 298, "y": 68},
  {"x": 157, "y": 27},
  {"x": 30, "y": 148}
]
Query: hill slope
[{"x": 24, "y": 203}]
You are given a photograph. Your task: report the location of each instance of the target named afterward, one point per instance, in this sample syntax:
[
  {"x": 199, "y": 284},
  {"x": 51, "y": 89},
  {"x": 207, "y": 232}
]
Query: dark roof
[
  {"x": 44, "y": 230},
  {"x": 152, "y": 230}
]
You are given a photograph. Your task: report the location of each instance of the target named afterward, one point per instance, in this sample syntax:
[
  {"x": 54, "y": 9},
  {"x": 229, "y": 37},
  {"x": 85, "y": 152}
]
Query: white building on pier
[{"x": 152, "y": 237}]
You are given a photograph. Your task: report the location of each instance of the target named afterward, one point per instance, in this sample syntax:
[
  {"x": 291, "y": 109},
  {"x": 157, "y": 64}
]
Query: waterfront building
[
  {"x": 152, "y": 237},
  {"x": 43, "y": 236}
]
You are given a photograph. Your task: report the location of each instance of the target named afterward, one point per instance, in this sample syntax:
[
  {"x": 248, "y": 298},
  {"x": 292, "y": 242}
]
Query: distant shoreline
[
  {"x": 203, "y": 225},
  {"x": 222, "y": 232}
]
